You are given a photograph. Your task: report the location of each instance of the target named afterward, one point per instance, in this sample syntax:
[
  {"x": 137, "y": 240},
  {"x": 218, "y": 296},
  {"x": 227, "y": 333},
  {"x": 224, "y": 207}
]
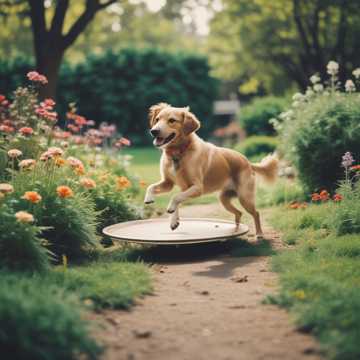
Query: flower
[
  {"x": 122, "y": 142},
  {"x": 347, "y": 160},
  {"x": 315, "y": 79},
  {"x": 36, "y": 77},
  {"x": 6, "y": 128},
  {"x": 32, "y": 196},
  {"x": 324, "y": 195},
  {"x": 355, "y": 168},
  {"x": 88, "y": 183},
  {"x": 318, "y": 87},
  {"x": 6, "y": 188},
  {"x": 27, "y": 164},
  {"x": 142, "y": 183},
  {"x": 24, "y": 217},
  {"x": 122, "y": 182},
  {"x": 59, "y": 161},
  {"x": 14, "y": 153},
  {"x": 337, "y": 197},
  {"x": 2, "y": 98},
  {"x": 350, "y": 86},
  {"x": 298, "y": 97},
  {"x": 296, "y": 205},
  {"x": 26, "y": 131},
  {"x": 332, "y": 67},
  {"x": 356, "y": 73},
  {"x": 64, "y": 191},
  {"x": 74, "y": 162},
  {"x": 51, "y": 152},
  {"x": 315, "y": 197}
]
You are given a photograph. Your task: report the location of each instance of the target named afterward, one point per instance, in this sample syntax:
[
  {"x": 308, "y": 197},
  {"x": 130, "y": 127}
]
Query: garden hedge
[{"x": 119, "y": 87}]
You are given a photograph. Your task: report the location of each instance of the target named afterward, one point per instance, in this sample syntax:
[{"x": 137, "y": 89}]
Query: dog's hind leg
[{"x": 225, "y": 199}]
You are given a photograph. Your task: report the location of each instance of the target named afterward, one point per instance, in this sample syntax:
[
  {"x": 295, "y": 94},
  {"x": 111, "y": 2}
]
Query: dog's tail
[{"x": 267, "y": 168}]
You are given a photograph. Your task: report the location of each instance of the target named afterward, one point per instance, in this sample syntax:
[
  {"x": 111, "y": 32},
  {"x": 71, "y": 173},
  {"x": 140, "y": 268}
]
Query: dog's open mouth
[{"x": 160, "y": 141}]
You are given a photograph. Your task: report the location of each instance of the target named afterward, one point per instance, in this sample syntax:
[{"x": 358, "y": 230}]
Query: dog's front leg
[
  {"x": 192, "y": 191},
  {"x": 157, "y": 188}
]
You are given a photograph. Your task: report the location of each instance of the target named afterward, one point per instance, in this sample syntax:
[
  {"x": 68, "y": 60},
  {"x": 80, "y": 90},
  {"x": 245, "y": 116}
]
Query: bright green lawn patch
[{"x": 320, "y": 279}]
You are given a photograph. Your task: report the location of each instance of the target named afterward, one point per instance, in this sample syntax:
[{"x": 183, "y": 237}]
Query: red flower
[
  {"x": 49, "y": 102},
  {"x": 2, "y": 98},
  {"x": 315, "y": 197},
  {"x": 26, "y": 131},
  {"x": 355, "y": 168},
  {"x": 122, "y": 142},
  {"x": 36, "y": 77},
  {"x": 6, "y": 128},
  {"x": 324, "y": 195},
  {"x": 337, "y": 197}
]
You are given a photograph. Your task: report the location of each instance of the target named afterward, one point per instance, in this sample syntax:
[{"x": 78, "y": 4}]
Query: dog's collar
[{"x": 178, "y": 151}]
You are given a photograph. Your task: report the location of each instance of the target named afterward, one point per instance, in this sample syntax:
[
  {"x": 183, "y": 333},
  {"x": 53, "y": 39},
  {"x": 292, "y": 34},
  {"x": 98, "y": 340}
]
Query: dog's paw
[
  {"x": 259, "y": 237},
  {"x": 147, "y": 202},
  {"x": 149, "y": 199},
  {"x": 174, "y": 225},
  {"x": 171, "y": 207}
]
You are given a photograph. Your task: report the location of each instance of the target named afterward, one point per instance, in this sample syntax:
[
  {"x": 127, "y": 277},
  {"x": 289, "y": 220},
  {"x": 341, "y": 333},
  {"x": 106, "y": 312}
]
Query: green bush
[
  {"x": 20, "y": 243},
  {"x": 120, "y": 87},
  {"x": 318, "y": 134},
  {"x": 39, "y": 321},
  {"x": 71, "y": 222},
  {"x": 257, "y": 146},
  {"x": 254, "y": 117}
]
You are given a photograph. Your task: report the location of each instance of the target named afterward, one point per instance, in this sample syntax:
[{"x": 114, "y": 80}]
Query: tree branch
[
  {"x": 58, "y": 19},
  {"x": 300, "y": 27}
]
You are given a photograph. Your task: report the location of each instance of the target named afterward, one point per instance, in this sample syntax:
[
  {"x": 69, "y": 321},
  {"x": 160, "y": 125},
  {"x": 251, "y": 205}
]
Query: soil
[{"x": 207, "y": 304}]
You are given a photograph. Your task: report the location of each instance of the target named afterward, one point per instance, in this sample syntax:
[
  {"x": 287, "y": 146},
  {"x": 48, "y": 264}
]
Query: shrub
[
  {"x": 254, "y": 117},
  {"x": 319, "y": 128},
  {"x": 257, "y": 146},
  {"x": 20, "y": 243},
  {"x": 131, "y": 81},
  {"x": 70, "y": 221},
  {"x": 39, "y": 321}
]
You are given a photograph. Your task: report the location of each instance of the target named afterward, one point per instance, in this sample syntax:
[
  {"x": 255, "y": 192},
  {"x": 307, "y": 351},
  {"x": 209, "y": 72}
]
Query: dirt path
[{"x": 207, "y": 305}]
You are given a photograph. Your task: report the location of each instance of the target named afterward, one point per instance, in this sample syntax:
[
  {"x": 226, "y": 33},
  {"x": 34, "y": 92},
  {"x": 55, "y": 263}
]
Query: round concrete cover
[{"x": 190, "y": 231}]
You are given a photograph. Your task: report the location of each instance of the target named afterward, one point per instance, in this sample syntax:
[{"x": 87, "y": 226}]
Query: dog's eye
[{"x": 171, "y": 120}]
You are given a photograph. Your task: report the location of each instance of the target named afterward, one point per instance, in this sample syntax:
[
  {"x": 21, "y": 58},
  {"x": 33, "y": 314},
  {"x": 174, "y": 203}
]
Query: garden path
[{"x": 207, "y": 305}]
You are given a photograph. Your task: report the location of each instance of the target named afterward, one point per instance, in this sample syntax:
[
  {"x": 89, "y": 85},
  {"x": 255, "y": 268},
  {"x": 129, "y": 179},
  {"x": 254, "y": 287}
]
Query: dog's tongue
[{"x": 158, "y": 141}]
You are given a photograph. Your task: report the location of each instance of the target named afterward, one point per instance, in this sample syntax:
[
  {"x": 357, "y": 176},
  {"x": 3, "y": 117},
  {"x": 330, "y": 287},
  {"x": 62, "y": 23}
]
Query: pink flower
[
  {"x": 26, "y": 131},
  {"x": 122, "y": 142},
  {"x": 2, "y": 98},
  {"x": 6, "y": 128},
  {"x": 49, "y": 102},
  {"x": 36, "y": 77}
]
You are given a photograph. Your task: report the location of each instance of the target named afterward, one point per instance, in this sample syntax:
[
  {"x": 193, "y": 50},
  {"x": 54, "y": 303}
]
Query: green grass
[{"x": 320, "y": 279}]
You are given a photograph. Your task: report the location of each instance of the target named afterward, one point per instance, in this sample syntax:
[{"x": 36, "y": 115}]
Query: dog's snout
[{"x": 154, "y": 132}]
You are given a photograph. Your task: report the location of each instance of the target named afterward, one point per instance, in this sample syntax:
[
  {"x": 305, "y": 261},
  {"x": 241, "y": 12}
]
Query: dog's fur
[{"x": 199, "y": 167}]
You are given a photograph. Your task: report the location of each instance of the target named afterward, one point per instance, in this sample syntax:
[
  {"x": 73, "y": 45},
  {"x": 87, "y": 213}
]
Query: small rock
[
  {"x": 204, "y": 292},
  {"x": 142, "y": 334},
  {"x": 240, "y": 279}
]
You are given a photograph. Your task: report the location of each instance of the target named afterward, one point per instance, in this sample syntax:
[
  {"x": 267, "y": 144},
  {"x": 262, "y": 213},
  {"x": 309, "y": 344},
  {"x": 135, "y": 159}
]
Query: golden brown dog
[{"x": 199, "y": 167}]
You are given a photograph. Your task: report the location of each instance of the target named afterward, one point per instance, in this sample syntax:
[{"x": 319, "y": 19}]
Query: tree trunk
[{"x": 49, "y": 64}]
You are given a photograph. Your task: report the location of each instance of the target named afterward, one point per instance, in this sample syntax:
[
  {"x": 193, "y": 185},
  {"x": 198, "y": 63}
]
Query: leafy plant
[{"x": 257, "y": 146}]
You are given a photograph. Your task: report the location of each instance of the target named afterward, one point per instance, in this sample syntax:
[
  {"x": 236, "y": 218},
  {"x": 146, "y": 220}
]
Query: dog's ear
[
  {"x": 154, "y": 111},
  {"x": 191, "y": 123}
]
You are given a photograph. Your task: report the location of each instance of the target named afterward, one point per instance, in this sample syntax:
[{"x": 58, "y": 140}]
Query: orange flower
[
  {"x": 122, "y": 182},
  {"x": 79, "y": 170},
  {"x": 297, "y": 205},
  {"x": 355, "y": 168},
  {"x": 324, "y": 195},
  {"x": 32, "y": 196},
  {"x": 24, "y": 217},
  {"x": 315, "y": 197},
  {"x": 142, "y": 183},
  {"x": 59, "y": 161},
  {"x": 337, "y": 197},
  {"x": 88, "y": 183},
  {"x": 64, "y": 191}
]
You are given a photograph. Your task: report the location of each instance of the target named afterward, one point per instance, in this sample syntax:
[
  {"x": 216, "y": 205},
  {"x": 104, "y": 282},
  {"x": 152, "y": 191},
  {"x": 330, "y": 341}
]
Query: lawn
[{"x": 320, "y": 277}]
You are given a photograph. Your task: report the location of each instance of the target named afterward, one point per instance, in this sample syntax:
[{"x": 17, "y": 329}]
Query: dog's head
[{"x": 170, "y": 125}]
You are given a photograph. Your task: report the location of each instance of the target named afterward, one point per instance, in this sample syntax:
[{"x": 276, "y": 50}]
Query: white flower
[
  {"x": 309, "y": 93},
  {"x": 318, "y": 87},
  {"x": 296, "y": 104},
  {"x": 14, "y": 153},
  {"x": 298, "y": 97},
  {"x": 332, "y": 67},
  {"x": 356, "y": 73},
  {"x": 349, "y": 86},
  {"x": 286, "y": 115},
  {"x": 315, "y": 79}
]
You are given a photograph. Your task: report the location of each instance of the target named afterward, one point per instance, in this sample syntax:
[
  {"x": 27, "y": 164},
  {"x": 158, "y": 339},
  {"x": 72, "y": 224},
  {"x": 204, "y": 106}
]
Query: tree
[
  {"x": 279, "y": 41},
  {"x": 49, "y": 40}
]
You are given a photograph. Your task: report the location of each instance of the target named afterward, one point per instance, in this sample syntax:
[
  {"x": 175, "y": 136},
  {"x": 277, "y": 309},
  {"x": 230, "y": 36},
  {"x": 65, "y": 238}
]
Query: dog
[{"x": 198, "y": 167}]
